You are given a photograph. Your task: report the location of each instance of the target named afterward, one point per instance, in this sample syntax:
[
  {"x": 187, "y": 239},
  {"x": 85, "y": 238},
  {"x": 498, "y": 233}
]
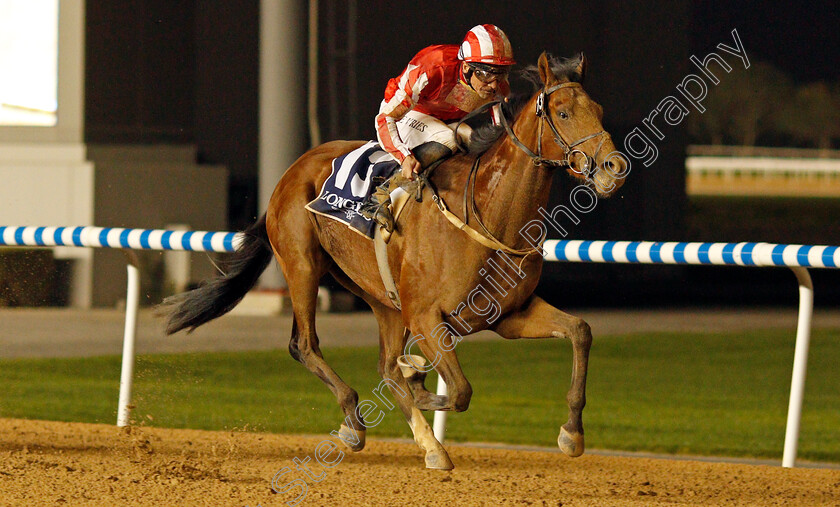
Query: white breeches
[{"x": 416, "y": 128}]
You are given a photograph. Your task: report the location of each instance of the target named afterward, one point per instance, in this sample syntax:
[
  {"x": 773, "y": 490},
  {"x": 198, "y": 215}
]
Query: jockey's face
[{"x": 485, "y": 84}]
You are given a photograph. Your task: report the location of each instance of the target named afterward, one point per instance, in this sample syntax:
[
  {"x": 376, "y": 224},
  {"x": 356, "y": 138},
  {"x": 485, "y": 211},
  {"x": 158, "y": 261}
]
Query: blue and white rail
[
  {"x": 720, "y": 254},
  {"x": 115, "y": 237},
  {"x": 130, "y": 239},
  {"x": 798, "y": 258}
]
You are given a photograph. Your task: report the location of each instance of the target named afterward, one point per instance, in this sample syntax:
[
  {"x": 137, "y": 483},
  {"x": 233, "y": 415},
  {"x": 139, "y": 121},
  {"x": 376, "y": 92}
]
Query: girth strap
[{"x": 381, "y": 250}]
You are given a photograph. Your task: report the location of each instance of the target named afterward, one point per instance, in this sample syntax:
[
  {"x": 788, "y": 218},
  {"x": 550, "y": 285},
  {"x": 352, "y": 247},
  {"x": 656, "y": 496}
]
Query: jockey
[{"x": 440, "y": 85}]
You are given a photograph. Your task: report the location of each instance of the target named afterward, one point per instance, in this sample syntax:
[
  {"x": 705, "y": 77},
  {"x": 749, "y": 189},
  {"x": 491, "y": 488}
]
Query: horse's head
[{"x": 569, "y": 130}]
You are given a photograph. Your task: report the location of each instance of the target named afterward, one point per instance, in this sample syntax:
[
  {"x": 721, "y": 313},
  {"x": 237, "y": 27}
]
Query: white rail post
[
  {"x": 439, "y": 425},
  {"x": 132, "y": 302},
  {"x": 800, "y": 364}
]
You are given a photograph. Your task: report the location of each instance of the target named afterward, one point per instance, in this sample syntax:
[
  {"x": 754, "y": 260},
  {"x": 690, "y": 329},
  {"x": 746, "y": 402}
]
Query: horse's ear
[
  {"x": 546, "y": 75},
  {"x": 581, "y": 67}
]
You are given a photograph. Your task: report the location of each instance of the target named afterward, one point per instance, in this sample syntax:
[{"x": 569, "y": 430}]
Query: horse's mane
[{"x": 528, "y": 81}]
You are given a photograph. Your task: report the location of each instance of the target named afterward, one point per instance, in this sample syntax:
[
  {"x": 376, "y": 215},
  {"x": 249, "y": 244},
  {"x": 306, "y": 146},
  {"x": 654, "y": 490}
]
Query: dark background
[{"x": 186, "y": 72}]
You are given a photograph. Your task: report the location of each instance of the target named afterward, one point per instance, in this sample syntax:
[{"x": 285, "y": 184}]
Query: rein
[{"x": 487, "y": 238}]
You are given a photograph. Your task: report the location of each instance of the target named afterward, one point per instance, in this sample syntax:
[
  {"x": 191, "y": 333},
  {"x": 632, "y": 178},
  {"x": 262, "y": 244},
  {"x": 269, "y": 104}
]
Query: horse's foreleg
[
  {"x": 392, "y": 344},
  {"x": 538, "y": 319},
  {"x": 437, "y": 342}
]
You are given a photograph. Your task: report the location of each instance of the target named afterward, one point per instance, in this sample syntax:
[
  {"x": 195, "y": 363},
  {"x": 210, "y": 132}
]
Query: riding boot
[
  {"x": 430, "y": 153},
  {"x": 378, "y": 207}
]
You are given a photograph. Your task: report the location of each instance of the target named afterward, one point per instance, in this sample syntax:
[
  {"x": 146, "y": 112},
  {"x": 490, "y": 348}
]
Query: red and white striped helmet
[{"x": 486, "y": 44}]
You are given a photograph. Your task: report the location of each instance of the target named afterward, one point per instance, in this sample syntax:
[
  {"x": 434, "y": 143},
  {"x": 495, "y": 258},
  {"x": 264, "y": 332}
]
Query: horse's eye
[{"x": 563, "y": 115}]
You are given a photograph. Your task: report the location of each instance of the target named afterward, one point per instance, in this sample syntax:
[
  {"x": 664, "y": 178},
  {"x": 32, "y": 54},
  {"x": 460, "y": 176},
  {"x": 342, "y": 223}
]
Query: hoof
[
  {"x": 570, "y": 443},
  {"x": 411, "y": 365},
  {"x": 438, "y": 461},
  {"x": 352, "y": 439}
]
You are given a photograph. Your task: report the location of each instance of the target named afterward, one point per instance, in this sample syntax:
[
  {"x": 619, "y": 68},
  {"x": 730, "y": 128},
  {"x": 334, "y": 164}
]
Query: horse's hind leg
[
  {"x": 538, "y": 319},
  {"x": 392, "y": 342},
  {"x": 302, "y": 275}
]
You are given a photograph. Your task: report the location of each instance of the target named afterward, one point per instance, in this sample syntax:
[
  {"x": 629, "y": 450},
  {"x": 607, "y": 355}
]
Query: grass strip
[{"x": 686, "y": 393}]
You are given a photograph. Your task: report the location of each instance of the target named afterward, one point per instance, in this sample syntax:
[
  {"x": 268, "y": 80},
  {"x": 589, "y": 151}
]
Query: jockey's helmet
[{"x": 486, "y": 44}]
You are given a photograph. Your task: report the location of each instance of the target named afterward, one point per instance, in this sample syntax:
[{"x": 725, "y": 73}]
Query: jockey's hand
[{"x": 410, "y": 167}]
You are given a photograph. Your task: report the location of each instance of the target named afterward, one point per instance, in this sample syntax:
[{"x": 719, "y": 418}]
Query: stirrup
[{"x": 378, "y": 208}]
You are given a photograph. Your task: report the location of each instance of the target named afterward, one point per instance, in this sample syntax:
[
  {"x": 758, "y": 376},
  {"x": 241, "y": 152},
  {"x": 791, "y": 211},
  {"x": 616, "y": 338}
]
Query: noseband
[{"x": 569, "y": 149}]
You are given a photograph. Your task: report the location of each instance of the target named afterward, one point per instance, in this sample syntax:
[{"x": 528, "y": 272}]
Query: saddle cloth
[{"x": 350, "y": 184}]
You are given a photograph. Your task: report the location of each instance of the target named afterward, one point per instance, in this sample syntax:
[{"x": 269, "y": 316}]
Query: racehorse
[{"x": 437, "y": 267}]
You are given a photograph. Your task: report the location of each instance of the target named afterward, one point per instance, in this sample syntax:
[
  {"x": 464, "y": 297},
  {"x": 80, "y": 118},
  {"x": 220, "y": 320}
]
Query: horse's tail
[{"x": 215, "y": 297}]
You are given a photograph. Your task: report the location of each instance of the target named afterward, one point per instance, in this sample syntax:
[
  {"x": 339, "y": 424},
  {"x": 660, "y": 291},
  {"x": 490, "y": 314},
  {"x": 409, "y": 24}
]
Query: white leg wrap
[{"x": 411, "y": 364}]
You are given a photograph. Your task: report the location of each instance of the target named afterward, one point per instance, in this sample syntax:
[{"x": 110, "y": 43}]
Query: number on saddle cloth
[{"x": 352, "y": 180}]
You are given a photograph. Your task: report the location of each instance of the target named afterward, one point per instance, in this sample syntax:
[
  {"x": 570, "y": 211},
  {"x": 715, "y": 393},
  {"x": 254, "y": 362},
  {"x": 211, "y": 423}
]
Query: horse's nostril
[{"x": 608, "y": 164}]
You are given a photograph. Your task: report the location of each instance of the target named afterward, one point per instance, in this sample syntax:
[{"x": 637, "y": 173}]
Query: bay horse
[{"x": 436, "y": 266}]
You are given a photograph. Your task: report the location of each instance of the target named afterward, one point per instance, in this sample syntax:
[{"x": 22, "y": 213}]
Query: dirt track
[{"x": 51, "y": 463}]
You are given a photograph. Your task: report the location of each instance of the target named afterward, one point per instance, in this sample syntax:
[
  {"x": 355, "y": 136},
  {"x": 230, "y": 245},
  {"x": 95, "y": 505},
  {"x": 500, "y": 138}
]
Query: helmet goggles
[{"x": 489, "y": 73}]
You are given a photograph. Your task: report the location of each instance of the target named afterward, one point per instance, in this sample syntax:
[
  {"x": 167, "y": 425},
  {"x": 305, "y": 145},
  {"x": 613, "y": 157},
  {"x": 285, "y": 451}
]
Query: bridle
[{"x": 569, "y": 149}]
